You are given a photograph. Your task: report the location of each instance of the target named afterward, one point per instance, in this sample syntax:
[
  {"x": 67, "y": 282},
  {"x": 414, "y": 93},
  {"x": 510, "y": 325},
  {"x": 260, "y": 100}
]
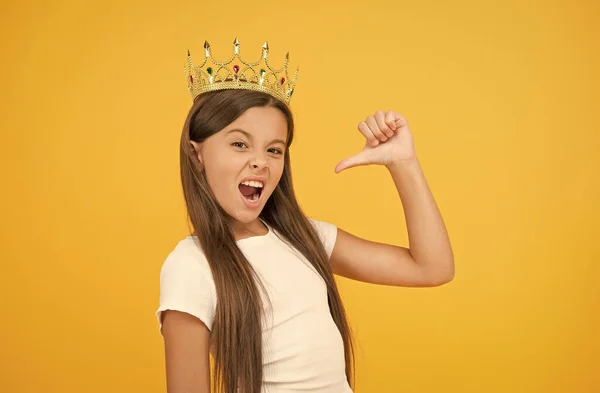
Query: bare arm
[
  {"x": 186, "y": 353},
  {"x": 429, "y": 260}
]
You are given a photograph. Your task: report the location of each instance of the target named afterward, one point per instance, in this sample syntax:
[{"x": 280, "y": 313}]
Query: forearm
[{"x": 428, "y": 239}]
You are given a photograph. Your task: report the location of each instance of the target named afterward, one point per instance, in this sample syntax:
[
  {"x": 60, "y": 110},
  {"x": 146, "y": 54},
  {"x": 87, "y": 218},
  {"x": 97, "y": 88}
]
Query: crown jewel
[{"x": 235, "y": 73}]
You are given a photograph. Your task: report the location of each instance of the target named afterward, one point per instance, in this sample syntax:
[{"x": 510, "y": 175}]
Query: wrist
[{"x": 404, "y": 165}]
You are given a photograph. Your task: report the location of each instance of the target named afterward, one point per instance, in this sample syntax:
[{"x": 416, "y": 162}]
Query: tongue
[{"x": 247, "y": 191}]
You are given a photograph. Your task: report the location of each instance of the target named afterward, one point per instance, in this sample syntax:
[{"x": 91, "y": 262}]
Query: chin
[
  {"x": 247, "y": 213},
  {"x": 245, "y": 217}
]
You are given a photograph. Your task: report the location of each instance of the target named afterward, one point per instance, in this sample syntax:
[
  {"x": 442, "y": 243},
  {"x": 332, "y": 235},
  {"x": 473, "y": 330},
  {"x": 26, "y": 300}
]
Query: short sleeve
[
  {"x": 186, "y": 284},
  {"x": 327, "y": 232}
]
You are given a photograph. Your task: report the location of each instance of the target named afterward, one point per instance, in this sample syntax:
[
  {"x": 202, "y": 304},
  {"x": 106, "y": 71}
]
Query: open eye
[
  {"x": 239, "y": 144},
  {"x": 275, "y": 151}
]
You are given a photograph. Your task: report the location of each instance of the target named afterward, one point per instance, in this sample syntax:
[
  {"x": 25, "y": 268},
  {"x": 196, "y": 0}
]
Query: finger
[
  {"x": 366, "y": 131},
  {"x": 383, "y": 126},
  {"x": 399, "y": 120},
  {"x": 390, "y": 119},
  {"x": 357, "y": 160},
  {"x": 372, "y": 123}
]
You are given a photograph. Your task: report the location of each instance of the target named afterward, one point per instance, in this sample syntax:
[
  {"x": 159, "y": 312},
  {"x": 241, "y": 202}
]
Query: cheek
[
  {"x": 277, "y": 171},
  {"x": 220, "y": 174}
]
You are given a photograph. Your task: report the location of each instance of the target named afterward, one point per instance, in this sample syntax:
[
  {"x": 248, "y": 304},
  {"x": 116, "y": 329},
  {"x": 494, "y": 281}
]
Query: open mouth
[{"x": 251, "y": 190}]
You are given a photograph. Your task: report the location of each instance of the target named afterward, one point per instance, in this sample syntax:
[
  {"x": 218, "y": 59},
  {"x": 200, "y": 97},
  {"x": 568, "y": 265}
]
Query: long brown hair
[{"x": 236, "y": 331}]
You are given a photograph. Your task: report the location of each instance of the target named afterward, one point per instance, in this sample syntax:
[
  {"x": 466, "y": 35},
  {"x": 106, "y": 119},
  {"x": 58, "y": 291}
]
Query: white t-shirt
[{"x": 302, "y": 347}]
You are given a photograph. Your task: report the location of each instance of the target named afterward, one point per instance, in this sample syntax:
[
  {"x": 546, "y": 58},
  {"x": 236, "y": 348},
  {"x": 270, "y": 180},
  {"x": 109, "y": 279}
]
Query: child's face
[{"x": 251, "y": 148}]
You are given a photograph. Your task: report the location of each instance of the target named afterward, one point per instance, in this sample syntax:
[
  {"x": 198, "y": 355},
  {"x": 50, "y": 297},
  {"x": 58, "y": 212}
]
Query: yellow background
[{"x": 501, "y": 97}]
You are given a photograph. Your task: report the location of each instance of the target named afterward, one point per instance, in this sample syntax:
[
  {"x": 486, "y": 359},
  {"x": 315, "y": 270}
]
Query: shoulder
[
  {"x": 185, "y": 266},
  {"x": 327, "y": 232},
  {"x": 185, "y": 257},
  {"x": 186, "y": 282}
]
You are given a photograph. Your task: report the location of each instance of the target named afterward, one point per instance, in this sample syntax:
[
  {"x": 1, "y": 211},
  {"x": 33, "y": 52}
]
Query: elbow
[
  {"x": 442, "y": 276},
  {"x": 441, "y": 280},
  {"x": 448, "y": 277}
]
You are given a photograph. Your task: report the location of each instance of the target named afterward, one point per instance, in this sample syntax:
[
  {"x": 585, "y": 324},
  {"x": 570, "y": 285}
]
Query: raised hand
[{"x": 389, "y": 142}]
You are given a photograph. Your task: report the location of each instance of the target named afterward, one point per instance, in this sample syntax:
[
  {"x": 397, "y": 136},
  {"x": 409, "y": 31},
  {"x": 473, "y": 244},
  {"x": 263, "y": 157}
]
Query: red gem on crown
[
  {"x": 191, "y": 79},
  {"x": 282, "y": 80},
  {"x": 236, "y": 68}
]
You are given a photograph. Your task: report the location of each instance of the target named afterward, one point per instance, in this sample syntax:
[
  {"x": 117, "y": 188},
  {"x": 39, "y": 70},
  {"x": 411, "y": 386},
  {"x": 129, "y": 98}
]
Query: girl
[{"x": 254, "y": 283}]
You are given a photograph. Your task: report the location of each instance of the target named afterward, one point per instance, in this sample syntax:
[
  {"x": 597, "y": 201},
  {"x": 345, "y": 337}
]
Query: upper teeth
[{"x": 253, "y": 183}]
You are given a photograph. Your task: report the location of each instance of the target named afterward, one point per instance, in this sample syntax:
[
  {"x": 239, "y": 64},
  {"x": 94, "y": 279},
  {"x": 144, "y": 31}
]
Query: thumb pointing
[{"x": 351, "y": 162}]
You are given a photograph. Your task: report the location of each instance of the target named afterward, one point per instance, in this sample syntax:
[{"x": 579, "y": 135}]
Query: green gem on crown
[{"x": 209, "y": 70}]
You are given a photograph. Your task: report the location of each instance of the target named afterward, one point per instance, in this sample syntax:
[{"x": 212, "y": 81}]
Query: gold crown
[{"x": 213, "y": 75}]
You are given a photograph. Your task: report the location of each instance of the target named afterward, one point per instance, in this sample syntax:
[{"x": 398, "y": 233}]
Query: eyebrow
[{"x": 249, "y": 136}]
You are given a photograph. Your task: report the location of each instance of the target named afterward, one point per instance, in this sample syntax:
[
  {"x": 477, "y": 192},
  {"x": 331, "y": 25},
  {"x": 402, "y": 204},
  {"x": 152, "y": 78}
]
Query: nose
[{"x": 258, "y": 161}]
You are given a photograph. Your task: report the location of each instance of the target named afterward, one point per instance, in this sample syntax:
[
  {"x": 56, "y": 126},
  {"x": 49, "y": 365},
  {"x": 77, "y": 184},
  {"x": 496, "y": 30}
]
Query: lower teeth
[{"x": 254, "y": 197}]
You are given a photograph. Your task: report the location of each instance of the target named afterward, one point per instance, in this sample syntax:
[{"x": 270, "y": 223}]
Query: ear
[{"x": 196, "y": 148}]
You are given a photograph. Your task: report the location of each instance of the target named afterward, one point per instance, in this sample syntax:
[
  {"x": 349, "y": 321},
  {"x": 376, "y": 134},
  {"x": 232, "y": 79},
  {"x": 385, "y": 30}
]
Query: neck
[{"x": 244, "y": 230}]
